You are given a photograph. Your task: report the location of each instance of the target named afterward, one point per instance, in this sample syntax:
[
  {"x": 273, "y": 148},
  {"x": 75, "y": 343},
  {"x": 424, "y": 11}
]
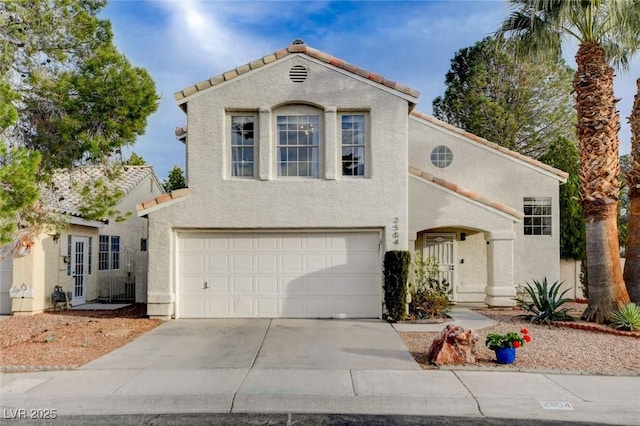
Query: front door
[
  {"x": 442, "y": 247},
  {"x": 79, "y": 269}
]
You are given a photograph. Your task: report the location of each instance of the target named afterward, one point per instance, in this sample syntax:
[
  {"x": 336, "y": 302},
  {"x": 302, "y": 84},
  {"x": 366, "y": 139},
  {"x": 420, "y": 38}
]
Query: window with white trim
[
  {"x": 108, "y": 252},
  {"x": 298, "y": 145},
  {"x": 353, "y": 145},
  {"x": 537, "y": 216},
  {"x": 242, "y": 145},
  {"x": 441, "y": 156}
]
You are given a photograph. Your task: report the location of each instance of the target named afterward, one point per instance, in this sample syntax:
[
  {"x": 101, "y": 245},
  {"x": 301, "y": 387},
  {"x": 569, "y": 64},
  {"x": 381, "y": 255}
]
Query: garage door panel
[
  {"x": 280, "y": 274},
  {"x": 267, "y": 285},
  {"x": 242, "y": 285},
  {"x": 194, "y": 283},
  {"x": 268, "y": 307},
  {"x": 291, "y": 285},
  {"x": 243, "y": 307},
  {"x": 218, "y": 263},
  {"x": 267, "y": 262},
  {"x": 218, "y": 285},
  {"x": 194, "y": 263},
  {"x": 291, "y": 262},
  {"x": 241, "y": 263}
]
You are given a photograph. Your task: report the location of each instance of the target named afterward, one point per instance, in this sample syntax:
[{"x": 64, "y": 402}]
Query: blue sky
[{"x": 182, "y": 42}]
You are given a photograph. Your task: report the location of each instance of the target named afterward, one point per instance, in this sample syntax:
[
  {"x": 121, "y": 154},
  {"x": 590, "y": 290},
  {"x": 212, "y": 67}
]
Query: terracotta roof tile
[
  {"x": 296, "y": 48},
  {"x": 162, "y": 199},
  {"x": 64, "y": 197},
  {"x": 470, "y": 136},
  {"x": 466, "y": 193}
]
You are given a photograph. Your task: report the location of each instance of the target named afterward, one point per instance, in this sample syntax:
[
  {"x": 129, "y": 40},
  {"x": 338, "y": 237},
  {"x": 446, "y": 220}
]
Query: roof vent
[
  {"x": 298, "y": 74},
  {"x": 297, "y": 41}
]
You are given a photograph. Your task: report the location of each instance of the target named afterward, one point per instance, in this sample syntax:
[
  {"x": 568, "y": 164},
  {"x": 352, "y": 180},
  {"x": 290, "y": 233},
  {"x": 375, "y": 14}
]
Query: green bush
[
  {"x": 543, "y": 302},
  {"x": 627, "y": 317},
  {"x": 429, "y": 296},
  {"x": 396, "y": 273}
]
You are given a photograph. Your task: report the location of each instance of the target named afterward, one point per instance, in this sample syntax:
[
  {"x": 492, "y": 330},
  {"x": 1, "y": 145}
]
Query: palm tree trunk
[
  {"x": 632, "y": 265},
  {"x": 598, "y": 126}
]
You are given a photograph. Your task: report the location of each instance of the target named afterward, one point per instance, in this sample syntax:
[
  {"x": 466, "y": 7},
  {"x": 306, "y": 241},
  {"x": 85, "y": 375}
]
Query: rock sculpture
[{"x": 456, "y": 345}]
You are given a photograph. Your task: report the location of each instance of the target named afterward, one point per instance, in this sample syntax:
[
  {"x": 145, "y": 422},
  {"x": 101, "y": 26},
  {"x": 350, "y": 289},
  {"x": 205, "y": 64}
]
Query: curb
[{"x": 35, "y": 368}]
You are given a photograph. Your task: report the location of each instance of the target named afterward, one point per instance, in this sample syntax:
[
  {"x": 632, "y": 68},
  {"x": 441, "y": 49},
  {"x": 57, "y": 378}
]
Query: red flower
[
  {"x": 526, "y": 338},
  {"x": 524, "y": 331},
  {"x": 516, "y": 344}
]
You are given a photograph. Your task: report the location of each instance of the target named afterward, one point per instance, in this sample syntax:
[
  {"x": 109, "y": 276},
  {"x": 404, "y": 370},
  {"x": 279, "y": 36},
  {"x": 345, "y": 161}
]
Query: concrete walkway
[{"x": 307, "y": 366}]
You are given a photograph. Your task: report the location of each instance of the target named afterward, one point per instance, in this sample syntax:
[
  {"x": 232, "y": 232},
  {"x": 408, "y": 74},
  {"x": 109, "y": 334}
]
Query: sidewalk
[{"x": 170, "y": 370}]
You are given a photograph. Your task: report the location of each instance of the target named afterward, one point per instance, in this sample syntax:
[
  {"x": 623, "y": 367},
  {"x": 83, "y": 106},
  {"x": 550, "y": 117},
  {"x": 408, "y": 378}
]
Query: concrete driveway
[{"x": 264, "y": 343}]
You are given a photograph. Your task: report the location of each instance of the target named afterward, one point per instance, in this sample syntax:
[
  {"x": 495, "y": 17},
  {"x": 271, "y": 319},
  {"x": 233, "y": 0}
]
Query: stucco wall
[
  {"x": 499, "y": 177},
  {"x": 131, "y": 231},
  {"x": 43, "y": 268},
  {"x": 270, "y": 202}
]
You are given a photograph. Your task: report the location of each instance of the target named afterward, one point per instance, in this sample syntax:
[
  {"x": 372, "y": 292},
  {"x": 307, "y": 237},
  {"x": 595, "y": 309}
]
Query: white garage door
[
  {"x": 304, "y": 275},
  {"x": 6, "y": 280}
]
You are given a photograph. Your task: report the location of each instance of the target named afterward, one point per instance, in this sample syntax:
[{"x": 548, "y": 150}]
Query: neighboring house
[
  {"x": 95, "y": 260},
  {"x": 304, "y": 170}
]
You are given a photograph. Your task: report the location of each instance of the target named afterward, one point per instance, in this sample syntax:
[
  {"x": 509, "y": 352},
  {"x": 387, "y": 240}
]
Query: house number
[{"x": 395, "y": 231}]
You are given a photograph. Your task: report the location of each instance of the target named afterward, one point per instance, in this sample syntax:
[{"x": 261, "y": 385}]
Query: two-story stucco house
[{"x": 303, "y": 170}]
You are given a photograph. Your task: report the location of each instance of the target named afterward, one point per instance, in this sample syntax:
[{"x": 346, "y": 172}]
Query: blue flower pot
[{"x": 505, "y": 355}]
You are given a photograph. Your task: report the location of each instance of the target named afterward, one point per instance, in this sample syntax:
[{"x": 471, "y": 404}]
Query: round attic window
[
  {"x": 298, "y": 74},
  {"x": 441, "y": 157}
]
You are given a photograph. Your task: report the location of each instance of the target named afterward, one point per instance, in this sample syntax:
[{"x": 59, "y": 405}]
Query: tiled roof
[
  {"x": 296, "y": 47},
  {"x": 477, "y": 139},
  {"x": 466, "y": 193},
  {"x": 161, "y": 199},
  {"x": 65, "y": 198}
]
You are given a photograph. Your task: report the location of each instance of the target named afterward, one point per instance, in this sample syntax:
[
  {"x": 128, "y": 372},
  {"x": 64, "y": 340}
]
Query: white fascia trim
[{"x": 84, "y": 222}]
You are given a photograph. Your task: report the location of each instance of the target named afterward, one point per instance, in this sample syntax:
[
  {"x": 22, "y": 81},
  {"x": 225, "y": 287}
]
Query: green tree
[
  {"x": 69, "y": 98},
  {"x": 563, "y": 154},
  {"x": 175, "y": 180},
  {"x": 607, "y": 32},
  {"x": 135, "y": 160},
  {"x": 518, "y": 103}
]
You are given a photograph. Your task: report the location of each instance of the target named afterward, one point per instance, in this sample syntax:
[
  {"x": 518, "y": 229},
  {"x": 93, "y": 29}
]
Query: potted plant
[{"x": 505, "y": 345}]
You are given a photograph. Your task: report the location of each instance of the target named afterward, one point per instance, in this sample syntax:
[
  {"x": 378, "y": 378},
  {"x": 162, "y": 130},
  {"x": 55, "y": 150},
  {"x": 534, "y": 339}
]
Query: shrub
[
  {"x": 396, "y": 273},
  {"x": 543, "y": 302},
  {"x": 429, "y": 296},
  {"x": 627, "y": 317}
]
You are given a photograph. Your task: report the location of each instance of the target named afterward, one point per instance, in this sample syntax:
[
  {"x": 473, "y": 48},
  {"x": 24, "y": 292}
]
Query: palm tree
[
  {"x": 607, "y": 32},
  {"x": 632, "y": 265}
]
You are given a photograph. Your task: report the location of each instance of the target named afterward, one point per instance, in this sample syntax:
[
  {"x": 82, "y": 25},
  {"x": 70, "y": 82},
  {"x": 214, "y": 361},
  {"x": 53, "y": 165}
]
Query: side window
[
  {"x": 103, "y": 253},
  {"x": 298, "y": 145},
  {"x": 537, "y": 215},
  {"x": 353, "y": 145},
  {"x": 242, "y": 145},
  {"x": 108, "y": 252}
]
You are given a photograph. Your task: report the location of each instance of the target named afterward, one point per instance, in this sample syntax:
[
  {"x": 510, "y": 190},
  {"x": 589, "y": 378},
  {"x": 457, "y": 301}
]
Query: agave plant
[
  {"x": 545, "y": 304},
  {"x": 627, "y": 317}
]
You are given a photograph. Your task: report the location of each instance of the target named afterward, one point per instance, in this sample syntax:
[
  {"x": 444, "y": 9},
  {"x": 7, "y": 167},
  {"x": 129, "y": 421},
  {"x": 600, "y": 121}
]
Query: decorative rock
[{"x": 456, "y": 345}]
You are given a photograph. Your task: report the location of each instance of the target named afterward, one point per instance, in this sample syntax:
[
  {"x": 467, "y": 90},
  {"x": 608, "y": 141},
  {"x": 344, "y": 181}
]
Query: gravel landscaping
[{"x": 594, "y": 350}]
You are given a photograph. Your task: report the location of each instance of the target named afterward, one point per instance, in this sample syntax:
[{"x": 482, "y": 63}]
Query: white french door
[
  {"x": 79, "y": 269},
  {"x": 442, "y": 246}
]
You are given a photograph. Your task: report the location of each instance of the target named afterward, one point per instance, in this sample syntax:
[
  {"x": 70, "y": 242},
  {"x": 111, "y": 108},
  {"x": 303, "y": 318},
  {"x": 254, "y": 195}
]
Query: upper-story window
[
  {"x": 298, "y": 145},
  {"x": 353, "y": 145},
  {"x": 537, "y": 215},
  {"x": 242, "y": 145},
  {"x": 441, "y": 156}
]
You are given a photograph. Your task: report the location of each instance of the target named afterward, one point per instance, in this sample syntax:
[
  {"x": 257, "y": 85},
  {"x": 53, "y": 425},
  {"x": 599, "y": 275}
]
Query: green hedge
[{"x": 396, "y": 274}]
